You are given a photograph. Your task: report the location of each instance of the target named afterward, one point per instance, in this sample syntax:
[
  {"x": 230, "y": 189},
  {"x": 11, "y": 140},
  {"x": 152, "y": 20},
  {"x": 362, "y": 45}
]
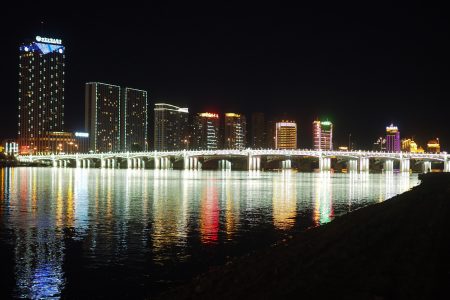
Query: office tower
[
  {"x": 258, "y": 138},
  {"x": 322, "y": 135},
  {"x": 171, "y": 127},
  {"x": 41, "y": 92},
  {"x": 392, "y": 139},
  {"x": 102, "y": 116},
  {"x": 433, "y": 146},
  {"x": 235, "y": 131},
  {"x": 134, "y": 117},
  {"x": 206, "y": 131},
  {"x": 286, "y": 135}
]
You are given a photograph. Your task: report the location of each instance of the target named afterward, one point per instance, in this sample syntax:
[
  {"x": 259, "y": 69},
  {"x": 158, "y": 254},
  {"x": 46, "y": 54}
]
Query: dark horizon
[{"x": 362, "y": 67}]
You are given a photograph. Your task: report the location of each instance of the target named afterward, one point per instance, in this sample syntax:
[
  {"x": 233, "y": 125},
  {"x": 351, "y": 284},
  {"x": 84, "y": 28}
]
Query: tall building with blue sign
[{"x": 41, "y": 92}]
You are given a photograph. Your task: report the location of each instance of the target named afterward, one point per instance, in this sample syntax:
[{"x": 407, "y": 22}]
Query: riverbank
[{"x": 397, "y": 249}]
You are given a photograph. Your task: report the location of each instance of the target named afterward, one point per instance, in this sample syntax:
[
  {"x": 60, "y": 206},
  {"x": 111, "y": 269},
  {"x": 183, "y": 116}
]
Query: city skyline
[
  {"x": 116, "y": 119},
  {"x": 301, "y": 96}
]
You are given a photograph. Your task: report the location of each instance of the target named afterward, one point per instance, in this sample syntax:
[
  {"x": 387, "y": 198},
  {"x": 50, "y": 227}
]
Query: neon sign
[{"x": 48, "y": 40}]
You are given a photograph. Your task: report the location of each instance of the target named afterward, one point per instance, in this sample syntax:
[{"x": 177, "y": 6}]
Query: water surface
[{"x": 131, "y": 233}]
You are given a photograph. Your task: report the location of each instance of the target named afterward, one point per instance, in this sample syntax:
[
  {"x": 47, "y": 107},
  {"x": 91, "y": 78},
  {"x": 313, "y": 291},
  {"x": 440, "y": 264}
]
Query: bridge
[{"x": 253, "y": 159}]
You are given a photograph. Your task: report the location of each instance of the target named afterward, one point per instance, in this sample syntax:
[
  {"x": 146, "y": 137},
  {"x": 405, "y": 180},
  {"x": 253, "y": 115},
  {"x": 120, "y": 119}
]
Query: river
[{"x": 102, "y": 233}]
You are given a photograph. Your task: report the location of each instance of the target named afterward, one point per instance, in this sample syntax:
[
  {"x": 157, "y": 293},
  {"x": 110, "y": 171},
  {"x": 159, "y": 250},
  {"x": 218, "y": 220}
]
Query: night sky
[{"x": 362, "y": 67}]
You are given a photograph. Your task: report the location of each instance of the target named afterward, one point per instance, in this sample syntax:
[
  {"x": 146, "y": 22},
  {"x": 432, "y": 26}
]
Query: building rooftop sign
[{"x": 41, "y": 39}]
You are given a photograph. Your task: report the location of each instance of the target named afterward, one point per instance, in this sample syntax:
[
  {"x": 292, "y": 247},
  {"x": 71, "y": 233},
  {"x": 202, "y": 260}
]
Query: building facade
[
  {"x": 433, "y": 146},
  {"x": 171, "y": 127},
  {"x": 60, "y": 142},
  {"x": 258, "y": 125},
  {"x": 134, "y": 117},
  {"x": 205, "y": 131},
  {"x": 41, "y": 92},
  {"x": 393, "y": 139},
  {"x": 286, "y": 135},
  {"x": 10, "y": 147},
  {"x": 235, "y": 131},
  {"x": 322, "y": 135},
  {"x": 102, "y": 116},
  {"x": 409, "y": 145}
]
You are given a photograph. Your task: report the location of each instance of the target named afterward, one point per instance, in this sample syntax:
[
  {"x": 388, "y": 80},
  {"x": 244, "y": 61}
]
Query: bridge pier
[
  {"x": 363, "y": 164},
  {"x": 426, "y": 166},
  {"x": 286, "y": 164},
  {"x": 325, "y": 164},
  {"x": 404, "y": 165},
  {"x": 224, "y": 164},
  {"x": 161, "y": 163},
  {"x": 192, "y": 163},
  {"x": 388, "y": 165},
  {"x": 446, "y": 165},
  {"x": 352, "y": 165},
  {"x": 254, "y": 163},
  {"x": 197, "y": 165}
]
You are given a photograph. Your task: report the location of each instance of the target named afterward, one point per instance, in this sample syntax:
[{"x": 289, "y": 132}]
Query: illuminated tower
[
  {"x": 235, "y": 131},
  {"x": 102, "y": 116},
  {"x": 323, "y": 135},
  {"x": 171, "y": 127},
  {"x": 258, "y": 131},
  {"x": 286, "y": 135},
  {"x": 393, "y": 143},
  {"x": 206, "y": 131},
  {"x": 41, "y": 92},
  {"x": 134, "y": 117}
]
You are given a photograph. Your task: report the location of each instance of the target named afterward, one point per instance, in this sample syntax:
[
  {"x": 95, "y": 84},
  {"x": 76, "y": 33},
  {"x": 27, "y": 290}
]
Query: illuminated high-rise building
[
  {"x": 323, "y": 135},
  {"x": 235, "y": 131},
  {"x": 206, "y": 134},
  {"x": 41, "y": 92},
  {"x": 433, "y": 146},
  {"x": 134, "y": 117},
  {"x": 258, "y": 138},
  {"x": 286, "y": 135},
  {"x": 171, "y": 127},
  {"x": 392, "y": 139},
  {"x": 102, "y": 116}
]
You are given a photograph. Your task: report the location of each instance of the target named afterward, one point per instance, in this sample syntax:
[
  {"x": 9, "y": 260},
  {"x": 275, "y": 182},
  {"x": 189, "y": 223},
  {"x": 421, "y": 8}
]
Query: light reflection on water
[{"x": 140, "y": 219}]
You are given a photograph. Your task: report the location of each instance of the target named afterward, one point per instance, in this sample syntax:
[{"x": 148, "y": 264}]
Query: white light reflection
[{"x": 284, "y": 200}]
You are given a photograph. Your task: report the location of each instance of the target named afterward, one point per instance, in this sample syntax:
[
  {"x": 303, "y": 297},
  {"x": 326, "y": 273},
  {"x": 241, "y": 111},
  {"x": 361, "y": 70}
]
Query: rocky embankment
[{"x": 397, "y": 249}]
